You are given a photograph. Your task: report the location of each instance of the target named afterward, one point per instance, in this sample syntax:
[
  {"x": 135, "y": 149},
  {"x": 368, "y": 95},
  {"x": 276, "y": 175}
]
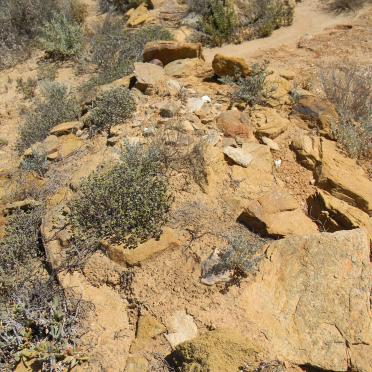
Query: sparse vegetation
[
  {"x": 27, "y": 88},
  {"x": 346, "y": 5},
  {"x": 128, "y": 203},
  {"x": 57, "y": 106},
  {"x": 61, "y": 38},
  {"x": 114, "y": 50},
  {"x": 37, "y": 163},
  {"x": 251, "y": 89},
  {"x": 349, "y": 88},
  {"x": 219, "y": 22},
  {"x": 122, "y": 5},
  {"x": 112, "y": 107},
  {"x": 47, "y": 71}
]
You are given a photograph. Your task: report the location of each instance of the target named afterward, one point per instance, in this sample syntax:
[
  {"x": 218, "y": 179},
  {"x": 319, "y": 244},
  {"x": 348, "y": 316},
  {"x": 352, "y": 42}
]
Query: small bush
[
  {"x": 127, "y": 204},
  {"x": 112, "y": 107},
  {"x": 61, "y": 38},
  {"x": 57, "y": 107},
  {"x": 122, "y": 5},
  {"x": 251, "y": 89},
  {"x": 346, "y": 5},
  {"x": 349, "y": 88},
  {"x": 37, "y": 163},
  {"x": 78, "y": 11},
  {"x": 114, "y": 50},
  {"x": 199, "y": 6},
  {"x": 219, "y": 23},
  {"x": 19, "y": 250},
  {"x": 27, "y": 88}
]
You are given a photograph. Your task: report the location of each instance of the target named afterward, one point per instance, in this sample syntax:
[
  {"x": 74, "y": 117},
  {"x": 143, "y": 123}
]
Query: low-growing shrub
[
  {"x": 349, "y": 88},
  {"x": 112, "y": 107},
  {"x": 346, "y": 5},
  {"x": 251, "y": 89},
  {"x": 219, "y": 23},
  {"x": 27, "y": 88},
  {"x": 127, "y": 204},
  {"x": 78, "y": 11},
  {"x": 114, "y": 50},
  {"x": 19, "y": 250},
  {"x": 37, "y": 163},
  {"x": 61, "y": 38},
  {"x": 57, "y": 106},
  {"x": 122, "y": 5},
  {"x": 199, "y": 6}
]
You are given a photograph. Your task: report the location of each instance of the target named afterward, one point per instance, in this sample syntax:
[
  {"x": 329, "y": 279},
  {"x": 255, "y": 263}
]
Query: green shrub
[
  {"x": 219, "y": 23},
  {"x": 19, "y": 250},
  {"x": 127, "y": 204},
  {"x": 20, "y": 22},
  {"x": 114, "y": 50},
  {"x": 112, "y": 107},
  {"x": 37, "y": 163},
  {"x": 57, "y": 107},
  {"x": 61, "y": 38},
  {"x": 27, "y": 88},
  {"x": 122, "y": 5},
  {"x": 251, "y": 89},
  {"x": 349, "y": 88}
]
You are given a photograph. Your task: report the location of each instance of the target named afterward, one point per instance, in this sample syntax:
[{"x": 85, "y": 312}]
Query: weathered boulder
[
  {"x": 181, "y": 327},
  {"x": 150, "y": 78},
  {"x": 311, "y": 299},
  {"x": 234, "y": 123},
  {"x": 117, "y": 253},
  {"x": 277, "y": 214},
  {"x": 307, "y": 150},
  {"x": 318, "y": 112},
  {"x": 139, "y": 16},
  {"x": 184, "y": 67},
  {"x": 343, "y": 177},
  {"x": 169, "y": 51},
  {"x": 230, "y": 66},
  {"x": 268, "y": 122},
  {"x": 222, "y": 350},
  {"x": 66, "y": 128},
  {"x": 238, "y": 156},
  {"x": 334, "y": 214}
]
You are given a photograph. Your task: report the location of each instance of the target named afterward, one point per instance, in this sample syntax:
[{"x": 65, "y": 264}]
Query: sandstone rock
[
  {"x": 69, "y": 145},
  {"x": 311, "y": 300},
  {"x": 230, "y": 66},
  {"x": 149, "y": 327},
  {"x": 223, "y": 350},
  {"x": 269, "y": 123},
  {"x": 233, "y": 123},
  {"x": 169, "y": 51},
  {"x": 318, "y": 111},
  {"x": 343, "y": 177},
  {"x": 183, "y": 67},
  {"x": 334, "y": 214},
  {"x": 181, "y": 327},
  {"x": 307, "y": 150},
  {"x": 139, "y": 16},
  {"x": 168, "y": 240},
  {"x": 24, "y": 205},
  {"x": 238, "y": 155},
  {"x": 150, "y": 78},
  {"x": 66, "y": 128},
  {"x": 278, "y": 89},
  {"x": 136, "y": 364},
  {"x": 261, "y": 154},
  {"x": 269, "y": 142},
  {"x": 276, "y": 214},
  {"x": 170, "y": 109}
]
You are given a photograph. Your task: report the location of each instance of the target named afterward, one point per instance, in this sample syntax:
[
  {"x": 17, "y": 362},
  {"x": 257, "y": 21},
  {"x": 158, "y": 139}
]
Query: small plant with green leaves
[
  {"x": 57, "y": 106},
  {"x": 61, "y": 38},
  {"x": 349, "y": 88},
  {"x": 250, "y": 89},
  {"x": 112, "y": 107},
  {"x": 27, "y": 88},
  {"x": 219, "y": 23},
  {"x": 127, "y": 204}
]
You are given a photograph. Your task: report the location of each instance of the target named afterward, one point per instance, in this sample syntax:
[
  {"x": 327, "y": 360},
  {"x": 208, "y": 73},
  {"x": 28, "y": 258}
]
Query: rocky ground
[{"x": 275, "y": 178}]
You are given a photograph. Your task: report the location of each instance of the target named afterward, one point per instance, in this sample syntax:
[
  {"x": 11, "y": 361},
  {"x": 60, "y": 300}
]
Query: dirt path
[{"x": 309, "y": 18}]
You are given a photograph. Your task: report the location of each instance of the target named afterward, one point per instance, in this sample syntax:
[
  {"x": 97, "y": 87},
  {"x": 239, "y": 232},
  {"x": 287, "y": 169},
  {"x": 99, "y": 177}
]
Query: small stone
[
  {"x": 238, "y": 155},
  {"x": 181, "y": 328},
  {"x": 269, "y": 142}
]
